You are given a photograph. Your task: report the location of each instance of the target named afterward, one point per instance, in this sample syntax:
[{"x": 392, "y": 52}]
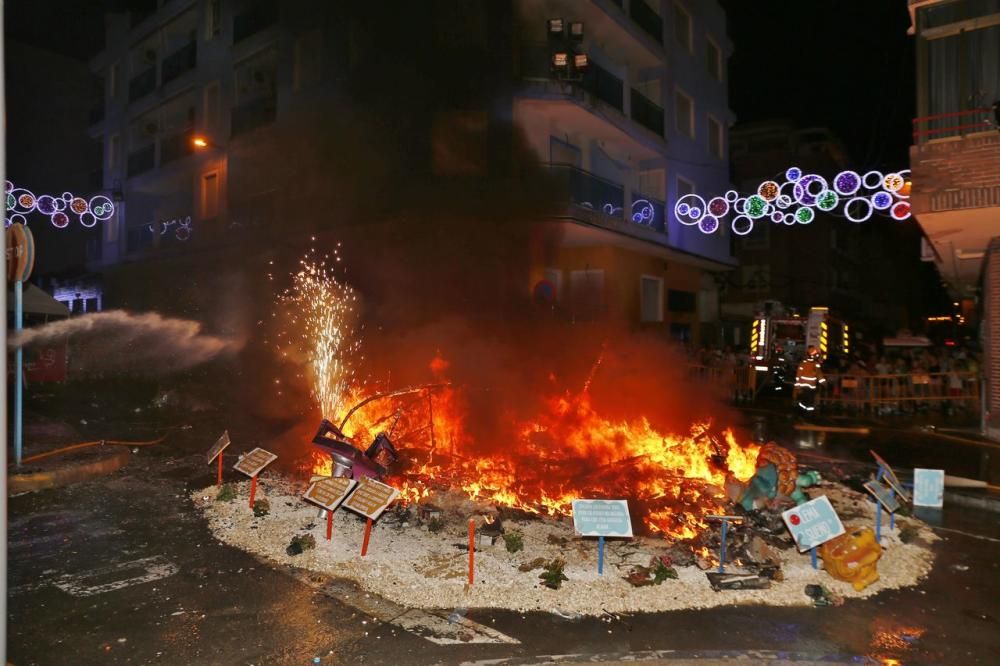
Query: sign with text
[
  {"x": 602, "y": 518},
  {"x": 217, "y": 448},
  {"x": 928, "y": 487},
  {"x": 371, "y": 498},
  {"x": 813, "y": 523},
  {"x": 329, "y": 491},
  {"x": 252, "y": 463},
  {"x": 890, "y": 476},
  {"x": 883, "y": 494}
]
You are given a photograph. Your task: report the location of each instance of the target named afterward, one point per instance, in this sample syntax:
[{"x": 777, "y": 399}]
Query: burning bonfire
[{"x": 567, "y": 451}]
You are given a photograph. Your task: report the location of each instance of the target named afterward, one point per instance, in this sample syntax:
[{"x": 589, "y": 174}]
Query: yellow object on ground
[{"x": 852, "y": 557}]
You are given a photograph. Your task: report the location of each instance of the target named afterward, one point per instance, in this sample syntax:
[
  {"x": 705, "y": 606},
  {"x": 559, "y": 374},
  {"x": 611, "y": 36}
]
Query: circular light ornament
[
  {"x": 808, "y": 187},
  {"x": 26, "y": 200},
  {"x": 872, "y": 180},
  {"x": 60, "y": 220},
  {"x": 11, "y": 201},
  {"x": 732, "y": 195},
  {"x": 768, "y": 190},
  {"x": 792, "y": 174},
  {"x": 642, "y": 211},
  {"x": 788, "y": 219},
  {"x": 756, "y": 207},
  {"x": 804, "y": 215},
  {"x": 708, "y": 224},
  {"x": 777, "y": 216},
  {"x": 900, "y": 211},
  {"x": 892, "y": 182},
  {"x": 881, "y": 200},
  {"x": 103, "y": 209},
  {"x": 904, "y": 191},
  {"x": 78, "y": 205},
  {"x": 8, "y": 186},
  {"x": 718, "y": 207},
  {"x": 46, "y": 204},
  {"x": 827, "y": 200},
  {"x": 852, "y": 212},
  {"x": 689, "y": 209},
  {"x": 740, "y": 205},
  {"x": 17, "y": 218},
  {"x": 847, "y": 182},
  {"x": 88, "y": 220},
  {"x": 784, "y": 201},
  {"x": 741, "y": 225}
]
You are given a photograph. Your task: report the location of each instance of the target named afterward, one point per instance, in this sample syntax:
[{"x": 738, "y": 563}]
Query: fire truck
[{"x": 779, "y": 340}]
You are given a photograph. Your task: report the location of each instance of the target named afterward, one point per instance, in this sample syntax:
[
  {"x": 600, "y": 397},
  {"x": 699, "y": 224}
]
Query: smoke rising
[{"x": 118, "y": 341}]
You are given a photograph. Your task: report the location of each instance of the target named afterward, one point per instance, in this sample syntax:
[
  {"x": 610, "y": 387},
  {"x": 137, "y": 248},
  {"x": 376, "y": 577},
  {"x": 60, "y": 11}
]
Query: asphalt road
[{"x": 123, "y": 570}]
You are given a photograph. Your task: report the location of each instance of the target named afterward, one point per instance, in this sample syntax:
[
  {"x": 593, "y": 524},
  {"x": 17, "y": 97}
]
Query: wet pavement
[{"x": 123, "y": 570}]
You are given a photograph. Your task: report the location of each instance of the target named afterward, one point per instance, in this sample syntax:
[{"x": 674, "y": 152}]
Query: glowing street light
[{"x": 200, "y": 142}]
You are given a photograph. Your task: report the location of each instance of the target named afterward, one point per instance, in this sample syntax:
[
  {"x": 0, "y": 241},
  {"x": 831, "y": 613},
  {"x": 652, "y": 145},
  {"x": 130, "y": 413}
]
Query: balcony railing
[
  {"x": 141, "y": 160},
  {"x": 178, "y": 62},
  {"x": 254, "y": 113},
  {"x": 956, "y": 123},
  {"x": 259, "y": 16},
  {"x": 647, "y": 19},
  {"x": 648, "y": 212},
  {"x": 589, "y": 191},
  {"x": 174, "y": 147},
  {"x": 605, "y": 86},
  {"x": 646, "y": 113},
  {"x": 142, "y": 84}
]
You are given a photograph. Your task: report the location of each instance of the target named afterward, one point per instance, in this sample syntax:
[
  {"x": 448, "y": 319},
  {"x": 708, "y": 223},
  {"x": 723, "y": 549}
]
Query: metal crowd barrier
[
  {"x": 898, "y": 393},
  {"x": 738, "y": 381}
]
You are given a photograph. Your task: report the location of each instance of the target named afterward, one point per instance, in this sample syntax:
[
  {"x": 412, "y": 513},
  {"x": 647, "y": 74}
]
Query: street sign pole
[
  {"x": 18, "y": 372},
  {"x": 600, "y": 556}
]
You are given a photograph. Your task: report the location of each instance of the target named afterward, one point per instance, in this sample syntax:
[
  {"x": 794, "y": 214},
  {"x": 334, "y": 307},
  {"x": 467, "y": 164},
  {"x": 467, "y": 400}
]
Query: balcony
[
  {"x": 258, "y": 17},
  {"x": 589, "y": 191},
  {"x": 954, "y": 124},
  {"x": 141, "y": 160},
  {"x": 648, "y": 212},
  {"x": 253, "y": 114},
  {"x": 175, "y": 147},
  {"x": 605, "y": 86},
  {"x": 178, "y": 62},
  {"x": 646, "y": 113},
  {"x": 142, "y": 84},
  {"x": 647, "y": 19}
]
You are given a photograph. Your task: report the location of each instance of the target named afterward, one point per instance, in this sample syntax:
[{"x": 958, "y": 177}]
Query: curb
[{"x": 63, "y": 476}]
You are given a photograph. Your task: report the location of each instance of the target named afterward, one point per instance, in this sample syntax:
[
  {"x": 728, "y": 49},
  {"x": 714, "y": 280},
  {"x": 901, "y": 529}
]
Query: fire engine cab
[{"x": 779, "y": 339}]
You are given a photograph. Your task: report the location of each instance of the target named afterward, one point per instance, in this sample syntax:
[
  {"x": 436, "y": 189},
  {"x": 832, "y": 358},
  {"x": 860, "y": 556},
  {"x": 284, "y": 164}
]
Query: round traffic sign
[{"x": 20, "y": 252}]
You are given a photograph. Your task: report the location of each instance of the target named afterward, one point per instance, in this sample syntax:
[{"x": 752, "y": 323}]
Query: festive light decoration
[
  {"x": 798, "y": 198},
  {"x": 21, "y": 202},
  {"x": 643, "y": 212}
]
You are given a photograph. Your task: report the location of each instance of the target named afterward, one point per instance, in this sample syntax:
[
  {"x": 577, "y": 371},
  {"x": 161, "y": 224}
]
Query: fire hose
[{"x": 83, "y": 445}]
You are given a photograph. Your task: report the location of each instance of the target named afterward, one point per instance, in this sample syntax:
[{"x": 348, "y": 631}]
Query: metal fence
[
  {"x": 901, "y": 393},
  {"x": 737, "y": 381}
]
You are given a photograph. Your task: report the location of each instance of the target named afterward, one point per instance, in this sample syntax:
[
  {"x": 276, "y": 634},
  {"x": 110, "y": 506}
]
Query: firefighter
[{"x": 808, "y": 378}]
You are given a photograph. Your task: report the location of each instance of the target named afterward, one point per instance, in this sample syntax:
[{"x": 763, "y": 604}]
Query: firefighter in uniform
[{"x": 808, "y": 378}]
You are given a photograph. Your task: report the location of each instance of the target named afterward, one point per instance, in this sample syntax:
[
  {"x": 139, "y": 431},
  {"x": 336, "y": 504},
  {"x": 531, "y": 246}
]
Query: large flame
[{"x": 568, "y": 451}]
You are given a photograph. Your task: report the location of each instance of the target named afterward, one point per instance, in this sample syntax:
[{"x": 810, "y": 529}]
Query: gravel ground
[{"x": 412, "y": 566}]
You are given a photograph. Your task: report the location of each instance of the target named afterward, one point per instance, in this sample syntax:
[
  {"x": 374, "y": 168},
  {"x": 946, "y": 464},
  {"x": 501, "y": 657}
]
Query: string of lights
[
  {"x": 21, "y": 202},
  {"x": 853, "y": 195}
]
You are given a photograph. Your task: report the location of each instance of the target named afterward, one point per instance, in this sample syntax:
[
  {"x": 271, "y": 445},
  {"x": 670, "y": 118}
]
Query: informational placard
[
  {"x": 884, "y": 495},
  {"x": 890, "y": 477},
  {"x": 371, "y": 498},
  {"x": 928, "y": 487},
  {"x": 328, "y": 492},
  {"x": 218, "y": 447},
  {"x": 813, "y": 523},
  {"x": 252, "y": 463},
  {"x": 602, "y": 518}
]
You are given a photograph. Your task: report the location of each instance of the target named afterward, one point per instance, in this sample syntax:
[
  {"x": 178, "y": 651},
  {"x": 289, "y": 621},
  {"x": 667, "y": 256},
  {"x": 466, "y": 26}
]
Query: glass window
[
  {"x": 256, "y": 77},
  {"x": 684, "y": 187},
  {"x": 682, "y": 27},
  {"x": 713, "y": 59},
  {"x": 650, "y": 298},
  {"x": 684, "y": 114},
  {"x": 213, "y": 18}
]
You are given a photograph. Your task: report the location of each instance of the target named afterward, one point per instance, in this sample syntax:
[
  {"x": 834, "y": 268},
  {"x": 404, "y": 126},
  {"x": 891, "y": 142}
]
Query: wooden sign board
[
  {"x": 218, "y": 447},
  {"x": 371, "y": 498},
  {"x": 883, "y": 494},
  {"x": 252, "y": 463},
  {"x": 890, "y": 477},
  {"x": 329, "y": 491}
]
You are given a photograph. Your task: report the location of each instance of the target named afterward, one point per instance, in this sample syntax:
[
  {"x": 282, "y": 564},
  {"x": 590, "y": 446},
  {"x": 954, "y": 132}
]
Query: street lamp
[{"x": 199, "y": 141}]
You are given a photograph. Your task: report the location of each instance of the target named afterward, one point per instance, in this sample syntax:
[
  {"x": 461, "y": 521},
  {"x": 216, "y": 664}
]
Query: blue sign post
[
  {"x": 601, "y": 518},
  {"x": 722, "y": 543},
  {"x": 813, "y": 524}
]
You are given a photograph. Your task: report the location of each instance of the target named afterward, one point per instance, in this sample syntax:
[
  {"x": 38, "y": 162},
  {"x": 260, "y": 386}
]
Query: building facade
[
  {"x": 955, "y": 160},
  {"x": 454, "y": 90}
]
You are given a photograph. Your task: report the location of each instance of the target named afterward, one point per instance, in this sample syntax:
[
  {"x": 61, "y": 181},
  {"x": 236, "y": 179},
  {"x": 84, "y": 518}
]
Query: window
[
  {"x": 210, "y": 196},
  {"x": 681, "y": 301},
  {"x": 650, "y": 298},
  {"x": 114, "y": 146},
  {"x": 684, "y": 114},
  {"x": 652, "y": 183},
  {"x": 213, "y": 18},
  {"x": 713, "y": 59},
  {"x": 586, "y": 292},
  {"x": 715, "y": 138},
  {"x": 684, "y": 187},
  {"x": 211, "y": 109},
  {"x": 682, "y": 27}
]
